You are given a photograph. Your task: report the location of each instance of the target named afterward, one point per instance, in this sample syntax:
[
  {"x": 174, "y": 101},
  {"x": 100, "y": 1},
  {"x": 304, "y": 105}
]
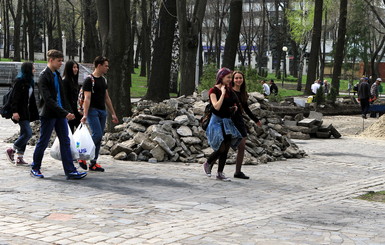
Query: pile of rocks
[
  {"x": 310, "y": 127},
  {"x": 170, "y": 131}
]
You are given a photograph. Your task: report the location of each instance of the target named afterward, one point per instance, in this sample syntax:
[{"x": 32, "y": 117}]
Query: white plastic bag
[
  {"x": 55, "y": 149},
  {"x": 84, "y": 143}
]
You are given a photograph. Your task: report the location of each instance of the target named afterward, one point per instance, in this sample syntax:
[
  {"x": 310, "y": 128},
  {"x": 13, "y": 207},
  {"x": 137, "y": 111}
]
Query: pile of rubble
[
  {"x": 170, "y": 131},
  {"x": 310, "y": 127}
]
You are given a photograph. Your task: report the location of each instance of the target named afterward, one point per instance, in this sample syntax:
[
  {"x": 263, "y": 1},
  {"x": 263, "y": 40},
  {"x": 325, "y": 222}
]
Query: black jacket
[
  {"x": 364, "y": 90},
  {"x": 22, "y": 103},
  {"x": 71, "y": 92},
  {"x": 48, "y": 98}
]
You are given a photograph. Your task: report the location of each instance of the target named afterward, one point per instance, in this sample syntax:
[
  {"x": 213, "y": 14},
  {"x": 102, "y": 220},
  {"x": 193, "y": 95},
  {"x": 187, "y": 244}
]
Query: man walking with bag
[
  {"x": 96, "y": 99},
  {"x": 54, "y": 114}
]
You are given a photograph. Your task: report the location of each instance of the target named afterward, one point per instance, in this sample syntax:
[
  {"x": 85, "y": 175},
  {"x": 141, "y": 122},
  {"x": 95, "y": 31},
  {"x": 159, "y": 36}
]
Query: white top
[
  {"x": 315, "y": 87},
  {"x": 266, "y": 89}
]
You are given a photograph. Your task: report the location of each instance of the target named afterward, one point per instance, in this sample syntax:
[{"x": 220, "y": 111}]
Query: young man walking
[
  {"x": 54, "y": 114},
  {"x": 96, "y": 99}
]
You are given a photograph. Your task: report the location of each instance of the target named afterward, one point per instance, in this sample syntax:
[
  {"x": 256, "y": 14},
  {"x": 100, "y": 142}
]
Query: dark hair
[
  {"x": 26, "y": 72},
  {"x": 244, "y": 95},
  {"x": 54, "y": 54},
  {"x": 100, "y": 60},
  {"x": 68, "y": 73}
]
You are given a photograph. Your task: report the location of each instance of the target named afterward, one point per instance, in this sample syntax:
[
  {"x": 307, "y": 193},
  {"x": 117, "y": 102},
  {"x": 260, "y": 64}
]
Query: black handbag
[{"x": 205, "y": 120}]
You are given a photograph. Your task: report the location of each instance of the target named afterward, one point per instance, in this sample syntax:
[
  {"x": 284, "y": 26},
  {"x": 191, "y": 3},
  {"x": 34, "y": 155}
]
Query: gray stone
[
  {"x": 132, "y": 157},
  {"x": 162, "y": 109},
  {"x": 164, "y": 146},
  {"x": 191, "y": 140},
  {"x": 137, "y": 127},
  {"x": 158, "y": 153},
  {"x": 181, "y": 119},
  {"x": 184, "y": 131},
  {"x": 121, "y": 156},
  {"x": 307, "y": 122},
  {"x": 167, "y": 138},
  {"x": 315, "y": 115}
]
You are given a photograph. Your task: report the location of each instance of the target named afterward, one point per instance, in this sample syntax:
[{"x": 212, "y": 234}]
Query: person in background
[
  {"x": 221, "y": 131},
  {"x": 54, "y": 114},
  {"x": 326, "y": 87},
  {"x": 238, "y": 84},
  {"x": 374, "y": 89},
  {"x": 364, "y": 95},
  {"x": 71, "y": 90},
  {"x": 266, "y": 88},
  {"x": 96, "y": 99},
  {"x": 315, "y": 86},
  {"x": 24, "y": 111},
  {"x": 273, "y": 87}
]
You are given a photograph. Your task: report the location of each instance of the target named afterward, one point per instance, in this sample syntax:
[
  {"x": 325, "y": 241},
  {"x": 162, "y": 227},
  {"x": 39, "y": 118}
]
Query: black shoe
[
  {"x": 364, "y": 116},
  {"x": 96, "y": 167},
  {"x": 241, "y": 175},
  {"x": 76, "y": 175},
  {"x": 83, "y": 164}
]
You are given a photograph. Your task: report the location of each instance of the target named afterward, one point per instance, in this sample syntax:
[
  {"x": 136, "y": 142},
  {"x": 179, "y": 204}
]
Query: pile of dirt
[{"x": 376, "y": 129}]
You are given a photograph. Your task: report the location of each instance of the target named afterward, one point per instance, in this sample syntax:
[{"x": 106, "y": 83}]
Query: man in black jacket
[
  {"x": 54, "y": 114},
  {"x": 364, "y": 95}
]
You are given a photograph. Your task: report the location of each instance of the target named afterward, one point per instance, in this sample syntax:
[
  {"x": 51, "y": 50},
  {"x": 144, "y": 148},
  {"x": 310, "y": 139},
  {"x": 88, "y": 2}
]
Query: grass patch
[
  {"x": 378, "y": 196},
  {"x": 139, "y": 84}
]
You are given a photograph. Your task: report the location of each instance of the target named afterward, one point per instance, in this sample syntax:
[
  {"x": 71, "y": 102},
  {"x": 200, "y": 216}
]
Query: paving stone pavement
[{"x": 298, "y": 201}]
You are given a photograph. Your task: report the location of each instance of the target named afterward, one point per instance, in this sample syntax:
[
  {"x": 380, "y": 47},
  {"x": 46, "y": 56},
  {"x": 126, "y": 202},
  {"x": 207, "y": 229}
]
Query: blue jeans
[
  {"x": 46, "y": 127},
  {"x": 25, "y": 135},
  {"x": 97, "y": 120}
]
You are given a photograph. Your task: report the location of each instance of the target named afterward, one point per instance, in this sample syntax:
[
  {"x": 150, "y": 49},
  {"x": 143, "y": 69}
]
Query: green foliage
[
  {"x": 208, "y": 77},
  {"x": 275, "y": 98},
  {"x": 300, "y": 18}
]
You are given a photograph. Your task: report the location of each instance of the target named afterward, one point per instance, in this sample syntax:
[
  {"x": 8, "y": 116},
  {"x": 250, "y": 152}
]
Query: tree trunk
[
  {"x": 144, "y": 38},
  {"x": 91, "y": 47},
  {"x": 159, "y": 83},
  {"x": 115, "y": 33},
  {"x": 315, "y": 46},
  {"x": 17, "y": 30},
  {"x": 58, "y": 26},
  {"x": 232, "y": 39},
  {"x": 29, "y": 10},
  {"x": 189, "y": 31},
  {"x": 339, "y": 54}
]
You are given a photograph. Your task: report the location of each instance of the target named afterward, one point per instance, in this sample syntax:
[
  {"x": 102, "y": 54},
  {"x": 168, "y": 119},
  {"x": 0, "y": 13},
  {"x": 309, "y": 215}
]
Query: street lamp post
[{"x": 284, "y": 49}]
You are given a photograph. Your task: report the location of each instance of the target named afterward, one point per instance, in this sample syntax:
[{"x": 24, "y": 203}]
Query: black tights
[{"x": 220, "y": 154}]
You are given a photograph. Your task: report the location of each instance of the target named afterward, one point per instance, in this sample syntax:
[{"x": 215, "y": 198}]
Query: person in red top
[{"x": 221, "y": 131}]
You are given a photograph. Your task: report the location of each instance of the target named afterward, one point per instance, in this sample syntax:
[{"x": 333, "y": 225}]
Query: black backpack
[{"x": 6, "y": 110}]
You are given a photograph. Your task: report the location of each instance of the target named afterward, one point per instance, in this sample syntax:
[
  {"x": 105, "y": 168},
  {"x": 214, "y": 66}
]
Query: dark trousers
[
  {"x": 364, "y": 106},
  {"x": 221, "y": 154},
  {"x": 25, "y": 134},
  {"x": 46, "y": 127}
]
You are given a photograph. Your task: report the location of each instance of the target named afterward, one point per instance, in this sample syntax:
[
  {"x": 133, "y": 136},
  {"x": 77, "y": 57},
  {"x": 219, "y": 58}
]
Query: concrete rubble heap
[
  {"x": 310, "y": 127},
  {"x": 170, "y": 131}
]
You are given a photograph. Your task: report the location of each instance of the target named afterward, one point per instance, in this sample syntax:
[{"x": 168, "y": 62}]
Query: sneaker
[
  {"x": 36, "y": 173},
  {"x": 221, "y": 176},
  {"x": 20, "y": 161},
  {"x": 10, "y": 153},
  {"x": 96, "y": 167},
  {"x": 76, "y": 175},
  {"x": 207, "y": 169},
  {"x": 83, "y": 164},
  {"x": 241, "y": 175}
]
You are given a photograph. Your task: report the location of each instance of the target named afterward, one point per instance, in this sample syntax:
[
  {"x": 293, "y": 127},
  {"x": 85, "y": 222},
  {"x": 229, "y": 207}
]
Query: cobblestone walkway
[{"x": 298, "y": 201}]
